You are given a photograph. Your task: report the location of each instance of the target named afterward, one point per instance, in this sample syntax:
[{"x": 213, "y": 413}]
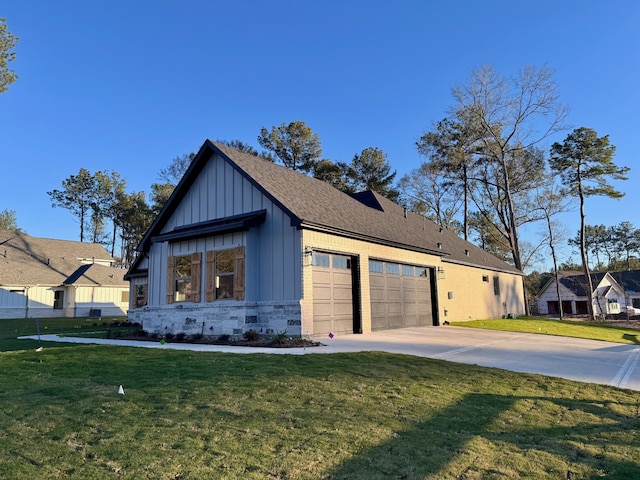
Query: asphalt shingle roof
[
  {"x": 26, "y": 260},
  {"x": 315, "y": 204}
]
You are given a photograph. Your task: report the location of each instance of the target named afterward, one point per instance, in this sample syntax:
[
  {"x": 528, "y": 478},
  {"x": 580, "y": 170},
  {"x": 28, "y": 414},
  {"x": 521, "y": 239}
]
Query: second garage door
[{"x": 401, "y": 295}]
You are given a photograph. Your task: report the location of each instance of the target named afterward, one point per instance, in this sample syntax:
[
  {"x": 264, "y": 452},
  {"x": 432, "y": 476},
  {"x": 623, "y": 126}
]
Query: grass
[
  {"x": 193, "y": 415},
  {"x": 10, "y": 330},
  {"x": 565, "y": 328}
]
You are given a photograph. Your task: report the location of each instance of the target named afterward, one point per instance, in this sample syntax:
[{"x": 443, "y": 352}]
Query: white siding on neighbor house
[
  {"x": 272, "y": 249},
  {"x": 13, "y": 302},
  {"x": 600, "y": 301},
  {"x": 550, "y": 295},
  {"x": 38, "y": 301},
  {"x": 106, "y": 299}
]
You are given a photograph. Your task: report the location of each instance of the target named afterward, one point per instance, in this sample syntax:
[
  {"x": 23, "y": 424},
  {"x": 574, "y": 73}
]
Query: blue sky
[{"x": 129, "y": 85}]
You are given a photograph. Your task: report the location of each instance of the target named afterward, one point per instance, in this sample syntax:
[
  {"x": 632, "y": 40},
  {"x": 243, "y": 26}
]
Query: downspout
[{"x": 26, "y": 306}]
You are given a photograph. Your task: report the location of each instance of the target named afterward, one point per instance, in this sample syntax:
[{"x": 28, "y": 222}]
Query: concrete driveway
[{"x": 572, "y": 358}]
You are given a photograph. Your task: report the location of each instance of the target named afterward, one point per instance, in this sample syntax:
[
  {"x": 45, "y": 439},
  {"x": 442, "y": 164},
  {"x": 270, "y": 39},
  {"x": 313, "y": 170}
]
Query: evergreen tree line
[{"x": 611, "y": 248}]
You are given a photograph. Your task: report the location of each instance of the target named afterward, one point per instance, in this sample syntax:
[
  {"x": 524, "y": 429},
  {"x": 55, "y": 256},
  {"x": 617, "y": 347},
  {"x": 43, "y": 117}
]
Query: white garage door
[
  {"x": 333, "y": 309},
  {"x": 400, "y": 295}
]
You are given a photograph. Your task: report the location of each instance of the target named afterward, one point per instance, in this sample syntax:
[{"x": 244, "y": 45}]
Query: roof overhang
[
  {"x": 366, "y": 238},
  {"x": 235, "y": 223}
]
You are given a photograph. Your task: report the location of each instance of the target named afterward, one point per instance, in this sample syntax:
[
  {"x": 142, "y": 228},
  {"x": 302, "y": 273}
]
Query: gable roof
[
  {"x": 26, "y": 261},
  {"x": 316, "y": 205},
  {"x": 629, "y": 280},
  {"x": 578, "y": 283}
]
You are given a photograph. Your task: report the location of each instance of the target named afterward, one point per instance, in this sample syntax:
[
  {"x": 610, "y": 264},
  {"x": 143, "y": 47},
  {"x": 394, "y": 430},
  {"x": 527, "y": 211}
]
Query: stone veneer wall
[{"x": 215, "y": 319}]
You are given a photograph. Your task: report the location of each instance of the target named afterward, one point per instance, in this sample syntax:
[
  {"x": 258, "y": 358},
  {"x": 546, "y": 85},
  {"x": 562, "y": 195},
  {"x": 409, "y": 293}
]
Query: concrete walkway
[{"x": 572, "y": 358}]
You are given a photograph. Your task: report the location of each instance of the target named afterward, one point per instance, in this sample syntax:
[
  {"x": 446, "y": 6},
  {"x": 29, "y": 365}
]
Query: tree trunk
[
  {"x": 514, "y": 240},
  {"x": 583, "y": 252},
  {"x": 466, "y": 202}
]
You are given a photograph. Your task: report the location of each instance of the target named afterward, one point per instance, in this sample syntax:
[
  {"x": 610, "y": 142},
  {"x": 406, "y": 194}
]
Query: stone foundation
[{"x": 215, "y": 319}]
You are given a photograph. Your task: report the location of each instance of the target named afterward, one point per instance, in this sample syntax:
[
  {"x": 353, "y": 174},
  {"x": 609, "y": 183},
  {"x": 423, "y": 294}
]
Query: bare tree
[
  {"x": 511, "y": 116},
  {"x": 425, "y": 190},
  {"x": 551, "y": 202}
]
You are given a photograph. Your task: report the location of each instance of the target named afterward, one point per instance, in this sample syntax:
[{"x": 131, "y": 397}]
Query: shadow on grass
[
  {"x": 631, "y": 338},
  {"x": 456, "y": 443}
]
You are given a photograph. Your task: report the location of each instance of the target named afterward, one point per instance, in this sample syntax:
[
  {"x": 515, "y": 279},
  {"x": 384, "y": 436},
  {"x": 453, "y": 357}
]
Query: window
[
  {"x": 496, "y": 286},
  {"x": 485, "y": 278},
  {"x": 422, "y": 272},
  {"x": 183, "y": 279},
  {"x": 124, "y": 296},
  {"x": 58, "y": 300},
  {"x": 407, "y": 270},
  {"x": 612, "y": 300},
  {"x": 225, "y": 270},
  {"x": 635, "y": 302},
  {"x": 393, "y": 268},
  {"x": 375, "y": 266},
  {"x": 141, "y": 295},
  {"x": 225, "y": 274}
]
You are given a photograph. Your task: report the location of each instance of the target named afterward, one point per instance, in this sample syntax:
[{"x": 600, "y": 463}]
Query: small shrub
[
  {"x": 224, "y": 338},
  {"x": 197, "y": 336},
  {"x": 169, "y": 336},
  {"x": 251, "y": 335},
  {"x": 280, "y": 338},
  {"x": 180, "y": 337}
]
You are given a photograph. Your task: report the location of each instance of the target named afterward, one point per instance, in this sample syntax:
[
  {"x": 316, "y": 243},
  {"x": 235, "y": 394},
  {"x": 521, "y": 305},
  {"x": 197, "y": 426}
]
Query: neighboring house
[
  {"x": 614, "y": 293},
  {"x": 41, "y": 277},
  {"x": 246, "y": 244}
]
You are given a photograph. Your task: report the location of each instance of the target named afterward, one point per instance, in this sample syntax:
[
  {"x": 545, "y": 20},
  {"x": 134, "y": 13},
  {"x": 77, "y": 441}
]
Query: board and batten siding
[
  {"x": 109, "y": 300},
  {"x": 272, "y": 249}
]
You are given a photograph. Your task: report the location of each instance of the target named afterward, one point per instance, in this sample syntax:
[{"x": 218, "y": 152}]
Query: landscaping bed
[{"x": 250, "y": 338}]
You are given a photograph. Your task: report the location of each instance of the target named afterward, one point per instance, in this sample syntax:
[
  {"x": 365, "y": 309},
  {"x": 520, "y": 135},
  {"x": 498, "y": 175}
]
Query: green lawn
[
  {"x": 190, "y": 415},
  {"x": 564, "y": 328},
  {"x": 10, "y": 330}
]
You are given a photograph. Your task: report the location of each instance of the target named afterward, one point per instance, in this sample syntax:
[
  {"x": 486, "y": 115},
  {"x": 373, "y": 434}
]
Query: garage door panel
[
  {"x": 343, "y": 295},
  {"x": 321, "y": 293},
  {"x": 410, "y": 296},
  {"x": 394, "y": 295},
  {"x": 321, "y": 276},
  {"x": 393, "y": 281},
  {"x": 341, "y": 278}
]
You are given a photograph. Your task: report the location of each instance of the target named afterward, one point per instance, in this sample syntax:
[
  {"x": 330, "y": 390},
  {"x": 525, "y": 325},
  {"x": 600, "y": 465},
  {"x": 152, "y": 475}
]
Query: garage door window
[
  {"x": 407, "y": 270},
  {"x": 393, "y": 268},
  {"x": 375, "y": 266},
  {"x": 341, "y": 262},
  {"x": 320, "y": 260}
]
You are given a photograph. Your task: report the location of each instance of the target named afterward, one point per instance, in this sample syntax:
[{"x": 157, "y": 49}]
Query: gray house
[
  {"x": 43, "y": 277},
  {"x": 246, "y": 244}
]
